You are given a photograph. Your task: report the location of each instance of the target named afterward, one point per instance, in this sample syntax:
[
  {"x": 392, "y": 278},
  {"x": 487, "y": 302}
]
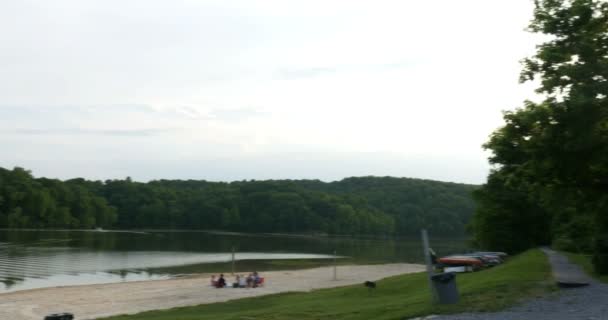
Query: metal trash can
[
  {"x": 59, "y": 316},
  {"x": 445, "y": 287}
]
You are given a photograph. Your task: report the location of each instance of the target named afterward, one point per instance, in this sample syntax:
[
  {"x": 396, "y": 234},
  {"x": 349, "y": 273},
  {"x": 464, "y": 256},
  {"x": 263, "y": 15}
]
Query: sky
[{"x": 278, "y": 89}]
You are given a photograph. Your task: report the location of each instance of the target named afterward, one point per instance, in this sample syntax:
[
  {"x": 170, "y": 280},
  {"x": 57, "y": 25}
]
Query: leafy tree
[{"x": 551, "y": 158}]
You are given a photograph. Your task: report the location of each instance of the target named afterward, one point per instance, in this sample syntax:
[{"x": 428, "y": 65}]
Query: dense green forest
[
  {"x": 354, "y": 206},
  {"x": 550, "y": 180}
]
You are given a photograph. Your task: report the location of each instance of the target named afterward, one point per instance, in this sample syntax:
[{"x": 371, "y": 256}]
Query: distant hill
[
  {"x": 354, "y": 206},
  {"x": 413, "y": 203}
]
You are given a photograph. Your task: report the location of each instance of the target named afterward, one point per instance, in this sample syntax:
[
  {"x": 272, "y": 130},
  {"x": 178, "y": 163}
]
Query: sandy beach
[{"x": 94, "y": 301}]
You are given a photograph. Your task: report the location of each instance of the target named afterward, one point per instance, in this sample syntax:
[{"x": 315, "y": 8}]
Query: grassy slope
[
  {"x": 584, "y": 260},
  {"x": 397, "y": 297}
]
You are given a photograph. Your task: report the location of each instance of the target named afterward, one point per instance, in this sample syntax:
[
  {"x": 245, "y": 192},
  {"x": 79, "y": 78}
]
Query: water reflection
[
  {"x": 34, "y": 259},
  {"x": 31, "y": 282}
]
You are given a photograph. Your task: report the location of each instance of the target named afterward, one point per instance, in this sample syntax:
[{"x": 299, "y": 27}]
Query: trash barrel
[
  {"x": 445, "y": 287},
  {"x": 59, "y": 316}
]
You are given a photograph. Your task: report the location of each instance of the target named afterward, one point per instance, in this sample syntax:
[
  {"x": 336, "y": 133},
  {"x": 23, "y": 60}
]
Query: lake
[{"x": 47, "y": 258}]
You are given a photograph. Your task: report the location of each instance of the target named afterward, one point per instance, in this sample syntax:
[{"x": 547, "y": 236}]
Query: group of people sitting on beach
[{"x": 253, "y": 280}]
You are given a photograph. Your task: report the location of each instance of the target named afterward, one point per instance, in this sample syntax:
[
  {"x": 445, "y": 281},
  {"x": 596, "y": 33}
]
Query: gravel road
[{"x": 589, "y": 303}]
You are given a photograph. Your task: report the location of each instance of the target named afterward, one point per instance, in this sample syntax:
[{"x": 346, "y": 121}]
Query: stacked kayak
[
  {"x": 460, "y": 260},
  {"x": 471, "y": 261}
]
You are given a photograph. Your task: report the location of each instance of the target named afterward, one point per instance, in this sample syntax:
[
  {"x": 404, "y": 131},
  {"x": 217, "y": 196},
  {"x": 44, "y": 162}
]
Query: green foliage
[
  {"x": 45, "y": 203},
  {"x": 400, "y": 297},
  {"x": 551, "y": 158},
  {"x": 442, "y": 208},
  {"x": 506, "y": 218},
  {"x": 353, "y": 206}
]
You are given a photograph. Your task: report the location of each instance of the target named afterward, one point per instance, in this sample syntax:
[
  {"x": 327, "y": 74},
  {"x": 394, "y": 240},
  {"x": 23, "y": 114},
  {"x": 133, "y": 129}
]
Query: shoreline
[{"x": 103, "y": 300}]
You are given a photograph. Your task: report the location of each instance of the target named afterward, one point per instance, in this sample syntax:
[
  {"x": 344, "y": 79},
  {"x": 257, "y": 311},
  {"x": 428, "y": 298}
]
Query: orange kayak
[{"x": 460, "y": 261}]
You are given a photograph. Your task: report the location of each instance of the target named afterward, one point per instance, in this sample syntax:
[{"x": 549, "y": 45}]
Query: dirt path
[
  {"x": 565, "y": 273},
  {"x": 93, "y": 301}
]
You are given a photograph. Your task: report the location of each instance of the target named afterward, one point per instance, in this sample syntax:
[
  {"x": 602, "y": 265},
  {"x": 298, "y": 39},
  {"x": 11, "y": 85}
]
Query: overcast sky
[{"x": 232, "y": 90}]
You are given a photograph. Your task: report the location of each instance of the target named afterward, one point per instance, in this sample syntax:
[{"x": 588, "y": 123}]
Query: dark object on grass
[
  {"x": 59, "y": 316},
  {"x": 370, "y": 286}
]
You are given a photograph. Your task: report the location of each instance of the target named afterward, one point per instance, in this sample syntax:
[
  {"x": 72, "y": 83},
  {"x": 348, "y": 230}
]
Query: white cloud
[{"x": 156, "y": 84}]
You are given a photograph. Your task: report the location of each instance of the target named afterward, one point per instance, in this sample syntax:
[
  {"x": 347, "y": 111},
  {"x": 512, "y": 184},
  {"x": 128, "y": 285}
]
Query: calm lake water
[{"x": 37, "y": 259}]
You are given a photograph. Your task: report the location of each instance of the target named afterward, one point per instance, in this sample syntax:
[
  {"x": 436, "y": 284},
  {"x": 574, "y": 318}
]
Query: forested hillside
[
  {"x": 441, "y": 206},
  {"x": 354, "y": 206},
  {"x": 26, "y": 202}
]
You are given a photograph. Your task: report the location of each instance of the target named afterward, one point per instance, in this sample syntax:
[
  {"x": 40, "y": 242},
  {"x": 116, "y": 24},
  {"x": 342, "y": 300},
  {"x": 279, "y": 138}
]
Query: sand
[{"x": 94, "y": 301}]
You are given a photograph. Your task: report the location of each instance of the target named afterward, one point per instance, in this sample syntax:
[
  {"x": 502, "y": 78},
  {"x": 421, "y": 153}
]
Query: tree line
[
  {"x": 550, "y": 179},
  {"x": 381, "y": 206}
]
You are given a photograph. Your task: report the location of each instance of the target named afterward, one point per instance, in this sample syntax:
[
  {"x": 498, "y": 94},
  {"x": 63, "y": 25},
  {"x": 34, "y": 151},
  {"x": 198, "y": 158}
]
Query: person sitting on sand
[
  {"x": 250, "y": 281},
  {"x": 213, "y": 281},
  {"x": 256, "y": 279},
  {"x": 242, "y": 282},
  {"x": 221, "y": 282},
  {"x": 235, "y": 284}
]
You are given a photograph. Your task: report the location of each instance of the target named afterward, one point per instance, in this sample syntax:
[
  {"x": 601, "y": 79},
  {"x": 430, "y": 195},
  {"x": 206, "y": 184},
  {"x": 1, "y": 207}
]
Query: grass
[
  {"x": 584, "y": 260},
  {"x": 400, "y": 297}
]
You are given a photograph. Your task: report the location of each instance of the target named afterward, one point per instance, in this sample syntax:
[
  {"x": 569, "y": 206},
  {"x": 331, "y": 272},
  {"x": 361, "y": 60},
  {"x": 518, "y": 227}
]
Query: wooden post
[
  {"x": 335, "y": 267},
  {"x": 427, "y": 260},
  {"x": 232, "y": 260}
]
